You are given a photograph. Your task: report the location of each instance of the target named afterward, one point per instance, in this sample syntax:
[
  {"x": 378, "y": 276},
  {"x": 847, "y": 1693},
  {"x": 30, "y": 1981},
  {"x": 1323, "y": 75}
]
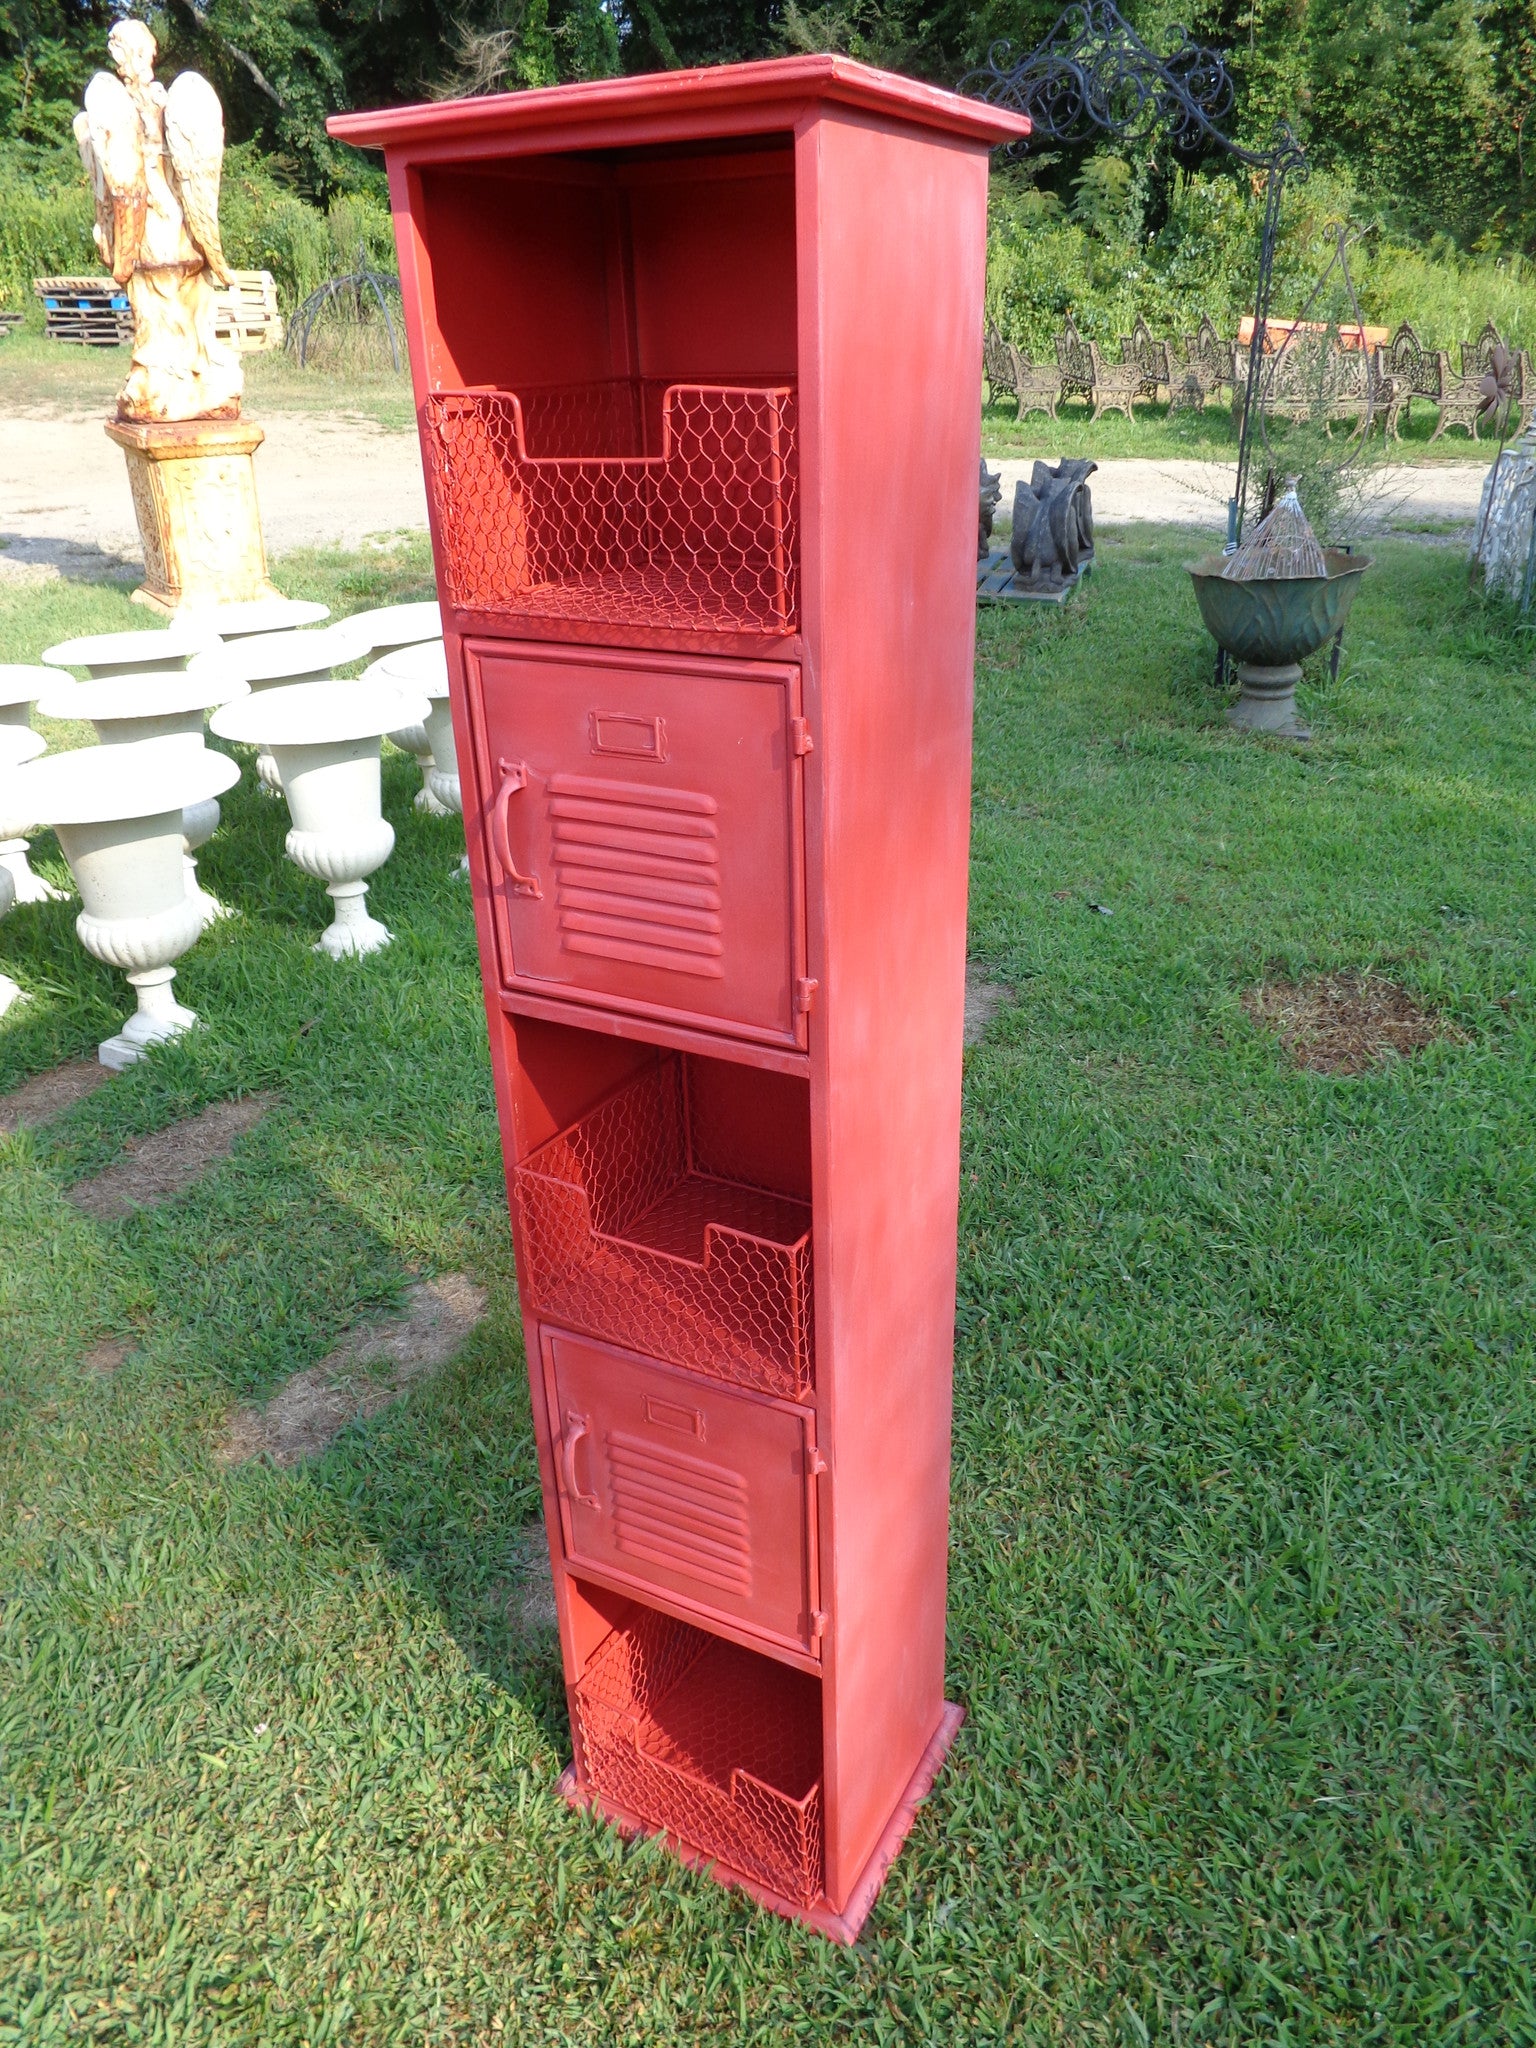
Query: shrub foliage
[{"x": 1099, "y": 261}]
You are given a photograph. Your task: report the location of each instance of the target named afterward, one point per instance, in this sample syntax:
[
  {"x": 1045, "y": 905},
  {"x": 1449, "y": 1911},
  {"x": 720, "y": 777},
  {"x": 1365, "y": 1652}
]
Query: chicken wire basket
[
  {"x": 714, "y": 1745},
  {"x": 628, "y": 1235},
  {"x": 621, "y": 502}
]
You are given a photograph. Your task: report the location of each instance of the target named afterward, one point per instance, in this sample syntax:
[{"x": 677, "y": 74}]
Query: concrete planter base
[{"x": 1267, "y": 700}]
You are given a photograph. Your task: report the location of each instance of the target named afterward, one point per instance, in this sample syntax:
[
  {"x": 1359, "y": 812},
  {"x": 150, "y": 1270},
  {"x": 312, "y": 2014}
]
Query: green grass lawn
[{"x": 1243, "y": 1548}]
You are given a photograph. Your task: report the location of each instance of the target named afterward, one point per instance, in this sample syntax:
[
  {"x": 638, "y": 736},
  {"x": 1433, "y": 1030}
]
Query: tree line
[{"x": 1420, "y": 105}]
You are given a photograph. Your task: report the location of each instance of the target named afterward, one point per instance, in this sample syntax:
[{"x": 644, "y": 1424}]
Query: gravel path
[
  {"x": 321, "y": 480},
  {"x": 1184, "y": 493},
  {"x": 336, "y": 479}
]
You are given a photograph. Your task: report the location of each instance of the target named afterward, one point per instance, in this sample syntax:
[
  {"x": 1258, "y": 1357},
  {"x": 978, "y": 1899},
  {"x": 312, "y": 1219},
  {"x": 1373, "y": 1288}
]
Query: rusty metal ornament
[{"x": 1497, "y": 382}]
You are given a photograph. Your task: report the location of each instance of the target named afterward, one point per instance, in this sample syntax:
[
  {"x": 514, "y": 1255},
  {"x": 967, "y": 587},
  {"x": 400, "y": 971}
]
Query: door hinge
[
  {"x": 800, "y": 740},
  {"x": 805, "y": 994},
  {"x": 819, "y": 1620},
  {"x": 815, "y": 1462}
]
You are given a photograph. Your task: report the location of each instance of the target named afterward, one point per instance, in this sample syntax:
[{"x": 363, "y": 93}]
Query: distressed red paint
[{"x": 696, "y": 361}]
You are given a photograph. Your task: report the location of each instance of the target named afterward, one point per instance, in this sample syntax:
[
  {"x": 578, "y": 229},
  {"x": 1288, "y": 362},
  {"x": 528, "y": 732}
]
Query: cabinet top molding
[{"x": 663, "y": 105}]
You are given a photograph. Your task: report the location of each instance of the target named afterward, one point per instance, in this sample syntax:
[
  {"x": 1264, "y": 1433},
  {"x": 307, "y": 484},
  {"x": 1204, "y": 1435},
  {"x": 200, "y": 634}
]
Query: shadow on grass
[
  {"x": 379, "y": 1162},
  {"x": 256, "y": 1273},
  {"x": 445, "y": 1482}
]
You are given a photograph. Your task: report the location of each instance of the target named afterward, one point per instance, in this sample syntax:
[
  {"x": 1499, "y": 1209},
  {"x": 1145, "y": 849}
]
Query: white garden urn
[
  {"x": 258, "y": 615},
  {"x": 123, "y": 654},
  {"x": 424, "y": 667},
  {"x": 156, "y": 706},
  {"x": 118, "y": 813},
  {"x": 268, "y": 661},
  {"x": 21, "y": 684},
  {"x": 273, "y": 661},
  {"x": 18, "y": 743},
  {"x": 395, "y": 625},
  {"x": 10, "y": 991},
  {"x": 325, "y": 739}
]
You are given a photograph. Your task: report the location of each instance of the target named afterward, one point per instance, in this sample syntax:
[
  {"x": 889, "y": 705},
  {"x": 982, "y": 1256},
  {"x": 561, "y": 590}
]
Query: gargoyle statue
[
  {"x": 1052, "y": 525},
  {"x": 991, "y": 492}
]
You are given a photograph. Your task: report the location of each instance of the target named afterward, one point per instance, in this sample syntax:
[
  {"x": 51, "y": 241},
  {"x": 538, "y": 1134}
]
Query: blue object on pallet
[{"x": 997, "y": 581}]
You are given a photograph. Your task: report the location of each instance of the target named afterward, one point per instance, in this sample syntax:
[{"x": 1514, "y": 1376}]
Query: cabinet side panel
[{"x": 893, "y": 337}]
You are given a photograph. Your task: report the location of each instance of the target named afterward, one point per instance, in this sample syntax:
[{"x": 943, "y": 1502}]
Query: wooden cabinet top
[{"x": 671, "y": 106}]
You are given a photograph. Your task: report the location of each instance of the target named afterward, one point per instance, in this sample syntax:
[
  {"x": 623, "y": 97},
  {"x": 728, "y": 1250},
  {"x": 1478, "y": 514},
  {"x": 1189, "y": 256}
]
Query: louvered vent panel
[
  {"x": 681, "y": 1512},
  {"x": 637, "y": 872}
]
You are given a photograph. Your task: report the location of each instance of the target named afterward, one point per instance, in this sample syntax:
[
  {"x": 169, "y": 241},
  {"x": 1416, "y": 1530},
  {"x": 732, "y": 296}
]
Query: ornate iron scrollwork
[{"x": 1093, "y": 75}]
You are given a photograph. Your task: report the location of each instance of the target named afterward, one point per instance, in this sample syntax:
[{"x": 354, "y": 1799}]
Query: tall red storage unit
[{"x": 696, "y": 362}]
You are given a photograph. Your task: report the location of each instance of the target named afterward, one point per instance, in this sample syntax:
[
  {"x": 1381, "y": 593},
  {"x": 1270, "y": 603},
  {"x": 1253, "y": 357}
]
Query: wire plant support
[
  {"x": 1308, "y": 353},
  {"x": 350, "y": 292},
  {"x": 1093, "y": 75}
]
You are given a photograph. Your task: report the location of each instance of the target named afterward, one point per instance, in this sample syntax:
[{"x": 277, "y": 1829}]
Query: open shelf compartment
[
  {"x": 629, "y": 1233},
  {"x": 622, "y": 501},
  {"x": 717, "y": 1746}
]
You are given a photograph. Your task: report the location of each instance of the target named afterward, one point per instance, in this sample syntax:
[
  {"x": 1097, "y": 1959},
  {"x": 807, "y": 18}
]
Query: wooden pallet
[
  {"x": 95, "y": 312},
  {"x": 997, "y": 582},
  {"x": 247, "y": 318},
  {"x": 8, "y": 320},
  {"x": 90, "y": 311}
]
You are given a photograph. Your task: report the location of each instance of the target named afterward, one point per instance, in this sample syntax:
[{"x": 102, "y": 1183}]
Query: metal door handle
[
  {"x": 576, "y": 1427},
  {"x": 514, "y": 776}
]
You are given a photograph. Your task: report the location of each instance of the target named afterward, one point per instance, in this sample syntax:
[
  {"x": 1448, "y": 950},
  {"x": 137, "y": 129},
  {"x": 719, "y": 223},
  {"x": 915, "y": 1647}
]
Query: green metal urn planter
[{"x": 1269, "y": 625}]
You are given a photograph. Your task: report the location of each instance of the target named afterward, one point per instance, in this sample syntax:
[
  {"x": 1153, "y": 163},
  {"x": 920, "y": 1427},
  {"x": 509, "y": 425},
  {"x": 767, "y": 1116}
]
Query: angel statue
[{"x": 153, "y": 156}]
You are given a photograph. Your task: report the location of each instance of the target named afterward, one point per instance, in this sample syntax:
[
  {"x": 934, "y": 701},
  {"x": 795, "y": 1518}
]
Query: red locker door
[
  {"x": 670, "y": 1482},
  {"x": 643, "y": 817}
]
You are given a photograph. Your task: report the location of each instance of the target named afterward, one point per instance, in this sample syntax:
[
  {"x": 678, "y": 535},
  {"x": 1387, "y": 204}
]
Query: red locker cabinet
[{"x": 696, "y": 361}]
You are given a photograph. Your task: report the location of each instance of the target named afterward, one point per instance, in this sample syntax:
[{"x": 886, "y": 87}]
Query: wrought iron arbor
[
  {"x": 1093, "y": 75},
  {"x": 350, "y": 293}
]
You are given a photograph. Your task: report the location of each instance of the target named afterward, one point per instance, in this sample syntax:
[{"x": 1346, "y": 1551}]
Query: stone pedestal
[
  {"x": 194, "y": 494},
  {"x": 1505, "y": 520},
  {"x": 1267, "y": 700}
]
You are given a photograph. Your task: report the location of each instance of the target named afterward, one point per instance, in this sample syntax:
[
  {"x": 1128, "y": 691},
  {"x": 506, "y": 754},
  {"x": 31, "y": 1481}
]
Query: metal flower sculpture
[
  {"x": 154, "y": 155},
  {"x": 1497, "y": 382}
]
